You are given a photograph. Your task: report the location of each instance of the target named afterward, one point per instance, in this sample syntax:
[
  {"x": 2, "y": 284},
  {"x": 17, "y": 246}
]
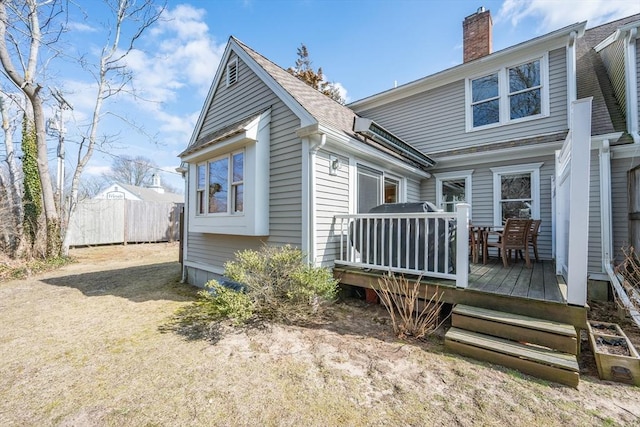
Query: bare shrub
[
  {"x": 402, "y": 299},
  {"x": 629, "y": 269}
]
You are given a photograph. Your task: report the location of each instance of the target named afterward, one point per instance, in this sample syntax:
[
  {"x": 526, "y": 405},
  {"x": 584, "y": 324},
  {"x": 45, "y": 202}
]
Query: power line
[{"x": 115, "y": 156}]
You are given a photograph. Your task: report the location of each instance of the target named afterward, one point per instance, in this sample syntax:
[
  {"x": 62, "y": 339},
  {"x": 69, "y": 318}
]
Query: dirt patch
[{"x": 83, "y": 346}]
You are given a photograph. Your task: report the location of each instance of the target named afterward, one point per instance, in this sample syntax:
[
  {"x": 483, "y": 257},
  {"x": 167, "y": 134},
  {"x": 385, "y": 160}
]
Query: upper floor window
[
  {"x": 510, "y": 94},
  {"x": 525, "y": 90}
]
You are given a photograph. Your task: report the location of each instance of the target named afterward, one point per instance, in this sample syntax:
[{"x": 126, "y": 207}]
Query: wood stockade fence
[{"x": 98, "y": 222}]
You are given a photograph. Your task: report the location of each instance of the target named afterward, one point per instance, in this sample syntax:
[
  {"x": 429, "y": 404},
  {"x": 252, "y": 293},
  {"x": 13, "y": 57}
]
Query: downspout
[
  {"x": 572, "y": 91},
  {"x": 185, "y": 226},
  {"x": 631, "y": 75},
  {"x": 313, "y": 150},
  {"x": 605, "y": 204}
]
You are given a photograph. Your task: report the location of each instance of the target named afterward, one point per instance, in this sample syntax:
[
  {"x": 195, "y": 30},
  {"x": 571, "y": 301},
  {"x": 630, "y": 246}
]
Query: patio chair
[
  {"x": 514, "y": 237},
  {"x": 532, "y": 238},
  {"x": 473, "y": 245}
]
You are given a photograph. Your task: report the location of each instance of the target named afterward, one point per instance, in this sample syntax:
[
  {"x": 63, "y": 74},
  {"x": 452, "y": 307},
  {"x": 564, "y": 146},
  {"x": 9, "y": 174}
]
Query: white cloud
[
  {"x": 80, "y": 27},
  {"x": 96, "y": 170},
  {"x": 183, "y": 59},
  {"x": 557, "y": 14},
  {"x": 343, "y": 92},
  {"x": 180, "y": 126}
]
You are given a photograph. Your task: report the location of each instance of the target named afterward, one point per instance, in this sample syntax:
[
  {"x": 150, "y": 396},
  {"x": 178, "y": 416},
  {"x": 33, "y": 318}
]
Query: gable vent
[{"x": 232, "y": 72}]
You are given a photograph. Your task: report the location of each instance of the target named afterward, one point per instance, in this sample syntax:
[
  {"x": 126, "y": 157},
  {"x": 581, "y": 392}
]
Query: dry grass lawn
[{"x": 82, "y": 346}]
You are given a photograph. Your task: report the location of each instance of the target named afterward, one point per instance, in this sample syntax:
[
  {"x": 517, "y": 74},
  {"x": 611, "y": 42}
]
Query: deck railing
[{"x": 433, "y": 244}]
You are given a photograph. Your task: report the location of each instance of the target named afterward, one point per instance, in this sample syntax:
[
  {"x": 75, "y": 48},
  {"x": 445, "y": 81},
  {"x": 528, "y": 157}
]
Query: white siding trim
[
  {"x": 630, "y": 64},
  {"x": 572, "y": 90},
  {"x": 205, "y": 267},
  {"x": 306, "y": 214},
  {"x": 605, "y": 204}
]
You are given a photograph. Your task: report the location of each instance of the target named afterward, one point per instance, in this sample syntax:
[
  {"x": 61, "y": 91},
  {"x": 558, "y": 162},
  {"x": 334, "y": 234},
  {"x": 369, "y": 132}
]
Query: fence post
[{"x": 462, "y": 245}]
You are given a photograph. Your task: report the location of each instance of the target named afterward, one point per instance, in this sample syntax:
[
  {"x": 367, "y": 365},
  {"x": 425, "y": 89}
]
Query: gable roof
[
  {"x": 324, "y": 109},
  {"x": 550, "y": 40},
  {"x": 311, "y": 106},
  {"x": 593, "y": 80}
]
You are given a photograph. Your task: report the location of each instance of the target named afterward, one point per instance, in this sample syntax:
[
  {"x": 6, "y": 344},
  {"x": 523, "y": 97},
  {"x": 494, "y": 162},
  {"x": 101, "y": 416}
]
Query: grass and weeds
[
  {"x": 20, "y": 269},
  {"x": 81, "y": 347}
]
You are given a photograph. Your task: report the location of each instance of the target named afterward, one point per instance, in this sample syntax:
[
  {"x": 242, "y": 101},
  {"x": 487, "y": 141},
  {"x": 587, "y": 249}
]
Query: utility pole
[{"x": 56, "y": 126}]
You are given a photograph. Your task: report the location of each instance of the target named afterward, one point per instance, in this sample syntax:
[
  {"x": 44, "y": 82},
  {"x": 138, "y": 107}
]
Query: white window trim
[
  {"x": 232, "y": 65},
  {"x": 230, "y": 184},
  {"x": 534, "y": 170},
  {"x": 445, "y": 176},
  {"x": 254, "y": 141},
  {"x": 503, "y": 94}
]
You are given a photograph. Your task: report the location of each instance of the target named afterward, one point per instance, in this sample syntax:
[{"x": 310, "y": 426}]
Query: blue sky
[{"x": 364, "y": 46}]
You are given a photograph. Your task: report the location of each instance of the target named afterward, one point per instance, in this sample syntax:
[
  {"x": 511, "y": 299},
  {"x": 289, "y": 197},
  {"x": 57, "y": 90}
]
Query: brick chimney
[{"x": 477, "y": 35}]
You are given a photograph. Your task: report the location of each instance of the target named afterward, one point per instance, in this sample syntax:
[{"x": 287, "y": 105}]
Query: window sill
[{"x": 471, "y": 129}]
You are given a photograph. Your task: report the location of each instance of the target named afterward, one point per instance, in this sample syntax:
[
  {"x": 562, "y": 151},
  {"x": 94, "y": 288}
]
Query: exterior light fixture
[{"x": 334, "y": 165}]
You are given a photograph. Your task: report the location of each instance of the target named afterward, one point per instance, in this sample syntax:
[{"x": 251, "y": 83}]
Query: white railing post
[
  {"x": 462, "y": 245},
  {"x": 579, "y": 202}
]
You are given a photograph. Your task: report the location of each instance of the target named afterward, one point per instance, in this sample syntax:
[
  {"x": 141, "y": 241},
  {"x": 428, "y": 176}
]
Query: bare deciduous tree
[
  {"x": 129, "y": 170},
  {"x": 11, "y": 182},
  {"x": 22, "y": 34},
  {"x": 112, "y": 78}
]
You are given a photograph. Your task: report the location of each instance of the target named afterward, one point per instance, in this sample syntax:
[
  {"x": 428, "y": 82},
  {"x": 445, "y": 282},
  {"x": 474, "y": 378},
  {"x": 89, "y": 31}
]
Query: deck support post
[{"x": 462, "y": 245}]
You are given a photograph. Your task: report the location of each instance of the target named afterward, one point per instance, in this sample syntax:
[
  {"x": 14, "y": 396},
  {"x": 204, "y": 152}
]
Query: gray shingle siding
[
  {"x": 620, "y": 203},
  {"x": 229, "y": 104},
  {"x": 613, "y": 59},
  {"x": 594, "y": 262},
  {"x": 434, "y": 121},
  {"x": 332, "y": 198},
  {"x": 482, "y": 194}
]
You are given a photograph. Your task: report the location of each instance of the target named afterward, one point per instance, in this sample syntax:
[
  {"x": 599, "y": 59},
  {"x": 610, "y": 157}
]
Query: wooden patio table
[{"x": 481, "y": 232}]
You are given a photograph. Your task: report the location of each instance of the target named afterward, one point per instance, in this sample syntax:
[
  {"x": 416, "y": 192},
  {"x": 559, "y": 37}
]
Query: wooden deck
[
  {"x": 535, "y": 292},
  {"x": 539, "y": 282}
]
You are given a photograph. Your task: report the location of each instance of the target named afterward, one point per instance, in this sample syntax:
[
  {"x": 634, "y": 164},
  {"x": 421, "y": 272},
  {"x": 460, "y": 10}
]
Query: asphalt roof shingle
[
  {"x": 324, "y": 109},
  {"x": 592, "y": 79}
]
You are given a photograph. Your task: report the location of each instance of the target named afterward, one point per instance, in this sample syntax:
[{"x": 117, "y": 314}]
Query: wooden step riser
[
  {"x": 562, "y": 343},
  {"x": 532, "y": 368}
]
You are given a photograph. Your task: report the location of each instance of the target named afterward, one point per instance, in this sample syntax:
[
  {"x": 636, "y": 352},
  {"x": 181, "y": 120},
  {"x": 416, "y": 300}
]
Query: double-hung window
[
  {"x": 509, "y": 94},
  {"x": 516, "y": 192},
  {"x": 223, "y": 191}
]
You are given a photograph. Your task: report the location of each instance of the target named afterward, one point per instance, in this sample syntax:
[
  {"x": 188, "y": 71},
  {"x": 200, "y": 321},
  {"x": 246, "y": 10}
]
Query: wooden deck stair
[{"x": 537, "y": 347}]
